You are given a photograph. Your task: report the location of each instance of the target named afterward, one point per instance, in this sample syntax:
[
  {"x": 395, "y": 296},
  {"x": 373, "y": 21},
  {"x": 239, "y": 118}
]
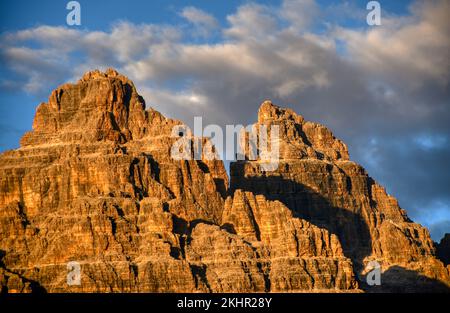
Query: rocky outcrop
[
  {"x": 443, "y": 249},
  {"x": 94, "y": 183},
  {"x": 318, "y": 184}
]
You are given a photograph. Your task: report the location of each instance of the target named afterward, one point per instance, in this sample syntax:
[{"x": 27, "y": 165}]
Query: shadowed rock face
[{"x": 94, "y": 183}]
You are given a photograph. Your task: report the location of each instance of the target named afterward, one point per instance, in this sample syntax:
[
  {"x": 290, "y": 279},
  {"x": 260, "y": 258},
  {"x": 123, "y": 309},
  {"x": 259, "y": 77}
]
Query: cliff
[{"x": 94, "y": 183}]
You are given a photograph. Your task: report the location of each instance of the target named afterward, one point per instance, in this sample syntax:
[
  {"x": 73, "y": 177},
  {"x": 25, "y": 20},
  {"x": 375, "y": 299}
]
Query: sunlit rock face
[
  {"x": 94, "y": 182},
  {"x": 317, "y": 183}
]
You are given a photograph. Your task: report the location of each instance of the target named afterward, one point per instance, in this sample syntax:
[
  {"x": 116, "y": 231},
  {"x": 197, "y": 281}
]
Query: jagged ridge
[{"x": 94, "y": 183}]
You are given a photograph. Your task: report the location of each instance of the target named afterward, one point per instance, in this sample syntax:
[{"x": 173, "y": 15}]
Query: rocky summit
[{"x": 94, "y": 183}]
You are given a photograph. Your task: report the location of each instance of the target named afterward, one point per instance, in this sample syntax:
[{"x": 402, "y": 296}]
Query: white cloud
[
  {"x": 299, "y": 13},
  {"x": 203, "y": 22},
  {"x": 252, "y": 21},
  {"x": 414, "y": 48},
  {"x": 262, "y": 54}
]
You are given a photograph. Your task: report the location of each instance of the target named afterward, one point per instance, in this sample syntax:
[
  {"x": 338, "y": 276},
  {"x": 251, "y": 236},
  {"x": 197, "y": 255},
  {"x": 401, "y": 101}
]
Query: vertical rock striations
[
  {"x": 318, "y": 184},
  {"x": 94, "y": 183}
]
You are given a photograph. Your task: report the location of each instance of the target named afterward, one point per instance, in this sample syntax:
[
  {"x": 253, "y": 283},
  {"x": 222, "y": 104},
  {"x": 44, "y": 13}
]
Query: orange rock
[{"x": 94, "y": 183}]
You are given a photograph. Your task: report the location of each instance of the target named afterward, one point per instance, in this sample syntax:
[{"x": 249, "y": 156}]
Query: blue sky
[
  {"x": 99, "y": 14},
  {"x": 382, "y": 91}
]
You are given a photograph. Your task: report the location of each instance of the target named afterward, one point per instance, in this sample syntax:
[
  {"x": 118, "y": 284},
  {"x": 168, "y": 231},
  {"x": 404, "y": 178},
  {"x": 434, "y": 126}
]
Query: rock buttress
[{"x": 94, "y": 183}]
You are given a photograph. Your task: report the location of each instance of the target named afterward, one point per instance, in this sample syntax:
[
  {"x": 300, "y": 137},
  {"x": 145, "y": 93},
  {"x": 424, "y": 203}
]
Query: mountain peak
[
  {"x": 109, "y": 73},
  {"x": 299, "y": 138},
  {"x": 97, "y": 184},
  {"x": 99, "y": 106},
  {"x": 269, "y": 112}
]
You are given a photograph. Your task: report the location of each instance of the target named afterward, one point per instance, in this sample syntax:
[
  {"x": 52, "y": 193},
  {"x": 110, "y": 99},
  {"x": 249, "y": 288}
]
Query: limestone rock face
[
  {"x": 296, "y": 254},
  {"x": 94, "y": 183},
  {"x": 300, "y": 138}
]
